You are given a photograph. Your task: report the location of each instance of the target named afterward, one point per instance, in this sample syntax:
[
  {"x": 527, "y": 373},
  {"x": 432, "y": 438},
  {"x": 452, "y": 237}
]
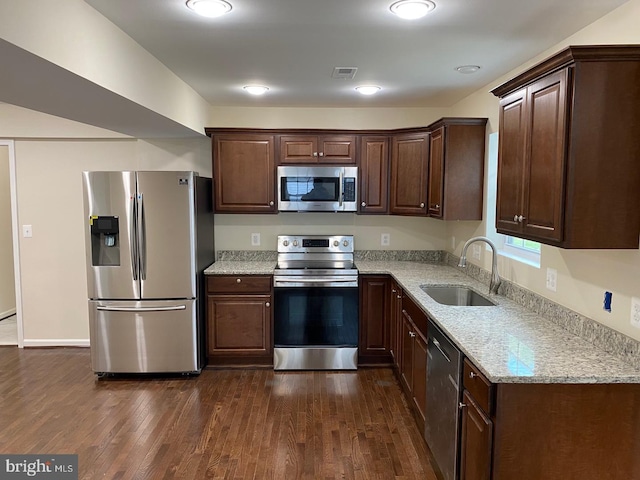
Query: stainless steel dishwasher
[{"x": 442, "y": 419}]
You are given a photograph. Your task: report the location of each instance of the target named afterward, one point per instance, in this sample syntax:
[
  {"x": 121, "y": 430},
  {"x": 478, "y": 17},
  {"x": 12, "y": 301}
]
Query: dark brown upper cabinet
[
  {"x": 244, "y": 173},
  {"x": 374, "y": 174},
  {"x": 409, "y": 170},
  {"x": 456, "y": 168},
  {"x": 569, "y": 151},
  {"x": 330, "y": 149}
]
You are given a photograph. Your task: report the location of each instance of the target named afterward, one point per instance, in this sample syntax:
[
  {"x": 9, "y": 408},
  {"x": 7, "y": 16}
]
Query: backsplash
[{"x": 599, "y": 335}]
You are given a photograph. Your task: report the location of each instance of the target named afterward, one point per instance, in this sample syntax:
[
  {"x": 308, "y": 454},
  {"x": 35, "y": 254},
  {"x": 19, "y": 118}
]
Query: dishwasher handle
[{"x": 436, "y": 343}]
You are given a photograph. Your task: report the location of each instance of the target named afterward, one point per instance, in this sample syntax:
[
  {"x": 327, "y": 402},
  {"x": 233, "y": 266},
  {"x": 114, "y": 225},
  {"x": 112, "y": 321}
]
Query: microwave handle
[{"x": 340, "y": 188}]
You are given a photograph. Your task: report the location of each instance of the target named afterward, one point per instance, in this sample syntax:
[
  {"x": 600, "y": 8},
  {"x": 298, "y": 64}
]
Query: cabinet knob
[
  {"x": 364, "y": 204},
  {"x": 473, "y": 374},
  {"x": 315, "y": 154},
  {"x": 238, "y": 280},
  {"x": 271, "y": 203},
  {"x": 399, "y": 296},
  {"x": 521, "y": 218},
  {"x": 422, "y": 205},
  {"x": 515, "y": 218},
  {"x": 412, "y": 334},
  {"x": 462, "y": 405},
  {"x": 321, "y": 154},
  {"x": 267, "y": 304},
  {"x": 393, "y": 290}
]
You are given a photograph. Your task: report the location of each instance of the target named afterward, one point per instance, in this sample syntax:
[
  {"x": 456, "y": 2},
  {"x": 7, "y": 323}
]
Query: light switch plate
[
  {"x": 635, "y": 312},
  {"x": 27, "y": 231},
  {"x": 385, "y": 239},
  {"x": 255, "y": 239},
  {"x": 552, "y": 279}
]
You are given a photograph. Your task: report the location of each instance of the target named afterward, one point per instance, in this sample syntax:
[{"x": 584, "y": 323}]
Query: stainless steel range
[{"x": 316, "y": 303}]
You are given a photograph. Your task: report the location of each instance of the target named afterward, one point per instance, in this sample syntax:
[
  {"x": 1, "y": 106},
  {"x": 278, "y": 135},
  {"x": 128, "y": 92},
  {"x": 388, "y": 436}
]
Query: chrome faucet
[{"x": 495, "y": 278}]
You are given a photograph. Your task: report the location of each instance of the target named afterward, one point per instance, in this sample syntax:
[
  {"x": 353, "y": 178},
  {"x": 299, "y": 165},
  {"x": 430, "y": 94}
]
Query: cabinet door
[
  {"x": 337, "y": 149},
  {"x": 374, "y": 320},
  {"x": 544, "y": 166},
  {"x": 374, "y": 174},
  {"x": 239, "y": 325},
  {"x": 436, "y": 172},
  {"x": 406, "y": 357},
  {"x": 419, "y": 373},
  {"x": 235, "y": 190},
  {"x": 409, "y": 162},
  {"x": 395, "y": 320},
  {"x": 298, "y": 149},
  {"x": 475, "y": 441},
  {"x": 511, "y": 164}
]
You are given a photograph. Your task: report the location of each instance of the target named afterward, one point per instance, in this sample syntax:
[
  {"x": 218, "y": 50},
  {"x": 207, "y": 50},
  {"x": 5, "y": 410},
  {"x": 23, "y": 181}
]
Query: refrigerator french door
[{"x": 144, "y": 269}]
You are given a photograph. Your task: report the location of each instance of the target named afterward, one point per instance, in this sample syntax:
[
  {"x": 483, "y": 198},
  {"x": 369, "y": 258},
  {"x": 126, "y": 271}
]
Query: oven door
[{"x": 315, "y": 328}]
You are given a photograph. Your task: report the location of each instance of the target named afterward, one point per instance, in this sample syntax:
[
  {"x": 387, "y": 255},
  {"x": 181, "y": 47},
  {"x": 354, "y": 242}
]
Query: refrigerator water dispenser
[{"x": 105, "y": 244}]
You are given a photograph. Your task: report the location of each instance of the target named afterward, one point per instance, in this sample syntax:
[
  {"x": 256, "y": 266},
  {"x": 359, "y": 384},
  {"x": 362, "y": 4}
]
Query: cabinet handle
[
  {"x": 238, "y": 280},
  {"x": 422, "y": 205},
  {"x": 271, "y": 203},
  {"x": 364, "y": 204},
  {"x": 462, "y": 405},
  {"x": 412, "y": 334},
  {"x": 267, "y": 304},
  {"x": 472, "y": 375}
]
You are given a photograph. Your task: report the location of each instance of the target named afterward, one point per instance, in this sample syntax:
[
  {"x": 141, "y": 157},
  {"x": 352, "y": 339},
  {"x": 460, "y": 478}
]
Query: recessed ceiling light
[
  {"x": 468, "y": 68},
  {"x": 256, "y": 89},
  {"x": 368, "y": 89},
  {"x": 209, "y": 8},
  {"x": 412, "y": 9}
]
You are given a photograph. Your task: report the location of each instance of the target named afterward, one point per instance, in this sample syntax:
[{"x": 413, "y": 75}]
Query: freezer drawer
[{"x": 144, "y": 336}]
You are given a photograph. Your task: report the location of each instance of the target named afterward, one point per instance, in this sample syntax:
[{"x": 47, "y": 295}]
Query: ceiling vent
[{"x": 344, "y": 73}]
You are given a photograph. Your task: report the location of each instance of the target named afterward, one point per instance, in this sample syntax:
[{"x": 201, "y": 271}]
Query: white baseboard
[
  {"x": 55, "y": 342},
  {"x": 8, "y": 313}
]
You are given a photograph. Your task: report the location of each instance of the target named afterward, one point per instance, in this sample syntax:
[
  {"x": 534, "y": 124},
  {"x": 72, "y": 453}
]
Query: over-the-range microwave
[{"x": 317, "y": 189}]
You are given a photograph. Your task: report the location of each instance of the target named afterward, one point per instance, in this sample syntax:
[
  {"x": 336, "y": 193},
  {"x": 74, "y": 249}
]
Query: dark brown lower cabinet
[
  {"x": 475, "y": 441},
  {"x": 374, "y": 346},
  {"x": 239, "y": 319},
  {"x": 412, "y": 368}
]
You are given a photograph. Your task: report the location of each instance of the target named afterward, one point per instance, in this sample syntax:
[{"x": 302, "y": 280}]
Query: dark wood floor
[{"x": 229, "y": 424}]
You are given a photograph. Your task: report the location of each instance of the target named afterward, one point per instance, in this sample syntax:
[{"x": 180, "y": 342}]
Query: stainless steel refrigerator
[{"x": 149, "y": 237}]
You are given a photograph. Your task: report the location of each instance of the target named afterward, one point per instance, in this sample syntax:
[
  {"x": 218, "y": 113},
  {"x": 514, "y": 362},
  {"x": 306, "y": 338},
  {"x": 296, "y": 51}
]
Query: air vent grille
[{"x": 344, "y": 73}]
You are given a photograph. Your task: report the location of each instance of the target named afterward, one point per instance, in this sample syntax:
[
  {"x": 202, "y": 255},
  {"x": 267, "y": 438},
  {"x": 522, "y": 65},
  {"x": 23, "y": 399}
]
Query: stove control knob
[
  {"x": 345, "y": 243},
  {"x": 285, "y": 243},
  {"x": 336, "y": 243},
  {"x": 295, "y": 243}
]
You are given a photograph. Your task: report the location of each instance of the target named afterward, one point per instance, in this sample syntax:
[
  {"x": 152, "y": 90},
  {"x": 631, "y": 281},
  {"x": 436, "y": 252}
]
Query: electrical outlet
[
  {"x": 27, "y": 231},
  {"x": 255, "y": 239},
  {"x": 635, "y": 312},
  {"x": 477, "y": 249},
  {"x": 552, "y": 279},
  {"x": 385, "y": 239}
]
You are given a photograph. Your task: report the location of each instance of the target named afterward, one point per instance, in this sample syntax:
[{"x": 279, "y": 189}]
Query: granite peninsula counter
[{"x": 507, "y": 342}]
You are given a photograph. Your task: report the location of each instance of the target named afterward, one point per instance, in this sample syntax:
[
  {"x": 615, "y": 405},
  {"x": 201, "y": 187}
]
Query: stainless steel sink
[{"x": 456, "y": 295}]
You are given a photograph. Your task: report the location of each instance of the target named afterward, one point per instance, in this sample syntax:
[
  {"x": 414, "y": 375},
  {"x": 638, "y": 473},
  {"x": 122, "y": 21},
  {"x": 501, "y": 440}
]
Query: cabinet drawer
[
  {"x": 239, "y": 284},
  {"x": 478, "y": 386}
]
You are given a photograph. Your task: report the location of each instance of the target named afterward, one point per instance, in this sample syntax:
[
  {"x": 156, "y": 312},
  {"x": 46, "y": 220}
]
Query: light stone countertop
[{"x": 507, "y": 342}]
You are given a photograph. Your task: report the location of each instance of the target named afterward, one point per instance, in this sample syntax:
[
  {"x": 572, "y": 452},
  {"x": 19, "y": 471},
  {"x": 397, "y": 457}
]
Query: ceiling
[{"x": 292, "y": 46}]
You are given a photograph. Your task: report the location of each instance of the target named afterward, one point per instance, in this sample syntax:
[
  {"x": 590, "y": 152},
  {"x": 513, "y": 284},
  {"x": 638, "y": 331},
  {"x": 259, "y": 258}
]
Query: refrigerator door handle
[
  {"x": 141, "y": 309},
  {"x": 142, "y": 238},
  {"x": 133, "y": 239}
]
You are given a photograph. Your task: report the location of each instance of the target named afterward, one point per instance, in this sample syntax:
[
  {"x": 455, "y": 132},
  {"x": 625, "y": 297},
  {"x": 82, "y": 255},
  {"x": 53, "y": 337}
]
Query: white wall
[
  {"x": 71, "y": 34},
  {"x": 7, "y": 282},
  {"x": 583, "y": 275}
]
